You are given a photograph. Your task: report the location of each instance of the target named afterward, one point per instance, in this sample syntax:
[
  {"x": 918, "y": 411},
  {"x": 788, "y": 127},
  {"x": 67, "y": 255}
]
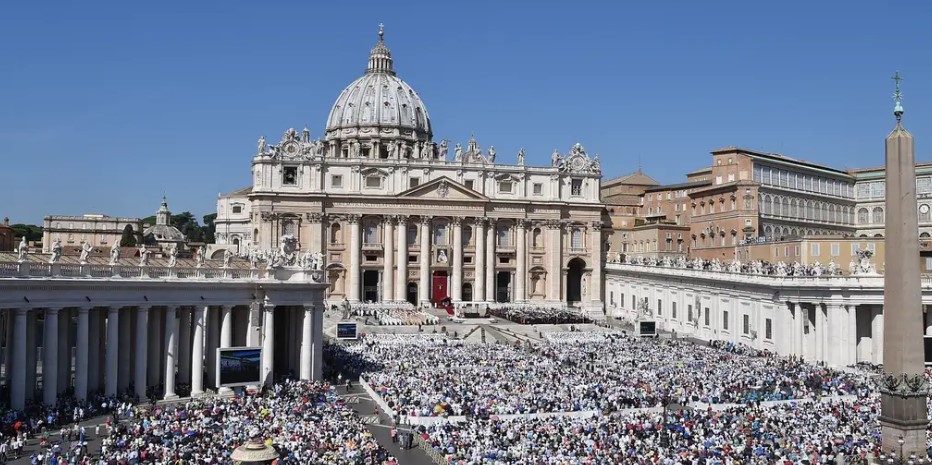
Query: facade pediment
[{"x": 442, "y": 188}]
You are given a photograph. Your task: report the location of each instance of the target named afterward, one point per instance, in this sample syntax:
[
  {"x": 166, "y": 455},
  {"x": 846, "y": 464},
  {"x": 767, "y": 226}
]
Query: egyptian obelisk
[{"x": 903, "y": 415}]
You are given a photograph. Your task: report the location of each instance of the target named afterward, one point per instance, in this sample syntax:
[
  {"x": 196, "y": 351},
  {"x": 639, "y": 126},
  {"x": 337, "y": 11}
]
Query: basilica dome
[{"x": 379, "y": 104}]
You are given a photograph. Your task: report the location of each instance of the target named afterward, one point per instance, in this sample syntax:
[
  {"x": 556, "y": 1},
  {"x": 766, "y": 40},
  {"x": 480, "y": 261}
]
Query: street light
[
  {"x": 898, "y": 459},
  {"x": 254, "y": 452}
]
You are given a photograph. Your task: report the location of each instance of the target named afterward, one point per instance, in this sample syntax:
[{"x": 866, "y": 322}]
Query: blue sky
[{"x": 106, "y": 106}]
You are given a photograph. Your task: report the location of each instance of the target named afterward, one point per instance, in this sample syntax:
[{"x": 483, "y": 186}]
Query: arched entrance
[
  {"x": 412, "y": 293},
  {"x": 467, "y": 292},
  {"x": 574, "y": 275},
  {"x": 370, "y": 286}
]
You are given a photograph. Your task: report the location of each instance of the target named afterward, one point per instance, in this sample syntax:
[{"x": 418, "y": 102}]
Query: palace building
[{"x": 398, "y": 221}]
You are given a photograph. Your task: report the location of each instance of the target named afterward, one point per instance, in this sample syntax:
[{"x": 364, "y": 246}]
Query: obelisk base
[{"x": 898, "y": 423}]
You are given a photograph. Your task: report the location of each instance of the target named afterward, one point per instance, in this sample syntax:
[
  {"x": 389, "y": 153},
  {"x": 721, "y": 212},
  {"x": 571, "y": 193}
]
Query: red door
[{"x": 438, "y": 289}]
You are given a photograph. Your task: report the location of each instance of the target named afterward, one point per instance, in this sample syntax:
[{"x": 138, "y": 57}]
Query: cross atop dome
[{"x": 380, "y": 58}]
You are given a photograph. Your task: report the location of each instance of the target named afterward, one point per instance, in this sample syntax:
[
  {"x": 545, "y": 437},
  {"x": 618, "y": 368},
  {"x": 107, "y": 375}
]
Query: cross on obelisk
[{"x": 904, "y": 389}]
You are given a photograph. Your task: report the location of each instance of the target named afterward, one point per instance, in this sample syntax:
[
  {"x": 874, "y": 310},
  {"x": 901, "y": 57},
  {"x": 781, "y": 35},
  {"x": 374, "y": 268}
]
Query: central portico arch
[{"x": 574, "y": 276}]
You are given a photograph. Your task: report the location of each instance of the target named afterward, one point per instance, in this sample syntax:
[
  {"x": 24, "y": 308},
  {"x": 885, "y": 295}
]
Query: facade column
[
  {"x": 555, "y": 260},
  {"x": 457, "y": 287},
  {"x": 388, "y": 259},
  {"x": 595, "y": 257},
  {"x": 17, "y": 378},
  {"x": 171, "y": 352},
  {"x": 521, "y": 267},
  {"x": 401, "y": 280},
  {"x": 113, "y": 343},
  {"x": 836, "y": 334},
  {"x": 423, "y": 287},
  {"x": 184, "y": 345},
  {"x": 852, "y": 334},
  {"x": 490, "y": 262},
  {"x": 197, "y": 352},
  {"x": 226, "y": 337},
  {"x": 93, "y": 350},
  {"x": 877, "y": 333},
  {"x": 478, "y": 290},
  {"x": 124, "y": 353},
  {"x": 268, "y": 336},
  {"x": 307, "y": 334},
  {"x": 140, "y": 382},
  {"x": 213, "y": 342},
  {"x": 81, "y": 356},
  {"x": 354, "y": 271},
  {"x": 50, "y": 362}
]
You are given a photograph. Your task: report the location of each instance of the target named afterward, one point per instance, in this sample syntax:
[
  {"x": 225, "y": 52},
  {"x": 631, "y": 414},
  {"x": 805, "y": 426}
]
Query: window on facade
[
  {"x": 290, "y": 175},
  {"x": 725, "y": 320},
  {"x": 374, "y": 181},
  {"x": 290, "y": 227},
  {"x": 466, "y": 235},
  {"x": 746, "y": 323},
  {"x": 673, "y": 310},
  {"x": 536, "y": 239},
  {"x": 877, "y": 215},
  {"x": 237, "y": 208},
  {"x": 863, "y": 216},
  {"x": 335, "y": 234},
  {"x": 414, "y": 182},
  {"x": 440, "y": 234},
  {"x": 836, "y": 250},
  {"x": 504, "y": 239},
  {"x": 336, "y": 181},
  {"x": 689, "y": 313},
  {"x": 576, "y": 187},
  {"x": 506, "y": 187},
  {"x": 707, "y": 319},
  {"x": 412, "y": 235},
  {"x": 469, "y": 184},
  {"x": 768, "y": 328},
  {"x": 815, "y": 250},
  {"x": 370, "y": 233},
  {"x": 718, "y": 179},
  {"x": 925, "y": 213},
  {"x": 538, "y": 188},
  {"x": 576, "y": 239},
  {"x": 659, "y": 307}
]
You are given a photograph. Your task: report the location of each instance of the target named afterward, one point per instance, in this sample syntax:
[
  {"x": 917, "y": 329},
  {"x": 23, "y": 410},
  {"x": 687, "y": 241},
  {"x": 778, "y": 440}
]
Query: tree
[
  {"x": 32, "y": 232},
  {"x": 128, "y": 239},
  {"x": 209, "y": 229}
]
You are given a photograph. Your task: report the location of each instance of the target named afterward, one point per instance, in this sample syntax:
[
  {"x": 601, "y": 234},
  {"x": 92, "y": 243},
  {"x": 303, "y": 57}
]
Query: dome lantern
[{"x": 380, "y": 58}]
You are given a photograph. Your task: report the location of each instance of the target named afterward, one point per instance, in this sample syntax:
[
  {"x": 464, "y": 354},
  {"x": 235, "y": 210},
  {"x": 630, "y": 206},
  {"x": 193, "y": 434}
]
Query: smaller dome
[{"x": 162, "y": 231}]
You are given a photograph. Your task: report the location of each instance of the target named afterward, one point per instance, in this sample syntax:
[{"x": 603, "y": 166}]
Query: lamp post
[
  {"x": 899, "y": 459},
  {"x": 254, "y": 452}
]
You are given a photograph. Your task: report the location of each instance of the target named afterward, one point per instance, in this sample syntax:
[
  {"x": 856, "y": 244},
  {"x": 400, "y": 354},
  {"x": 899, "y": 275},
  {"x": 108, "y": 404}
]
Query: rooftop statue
[
  {"x": 201, "y": 256},
  {"x": 521, "y": 156},
  {"x": 22, "y": 250},
  {"x": 227, "y": 258},
  {"x": 262, "y": 145},
  {"x": 443, "y": 149},
  {"x": 115, "y": 253},
  {"x": 491, "y": 154},
  {"x": 458, "y": 153},
  {"x": 555, "y": 158},
  {"x": 56, "y": 252},
  {"x": 86, "y": 250},
  {"x": 144, "y": 256},
  {"x": 172, "y": 255}
]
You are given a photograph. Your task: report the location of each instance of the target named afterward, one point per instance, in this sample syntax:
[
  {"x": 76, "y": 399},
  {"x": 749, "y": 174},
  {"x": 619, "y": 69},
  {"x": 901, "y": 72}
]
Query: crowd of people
[
  {"x": 528, "y": 315},
  {"x": 432, "y": 376},
  {"x": 306, "y": 422}
]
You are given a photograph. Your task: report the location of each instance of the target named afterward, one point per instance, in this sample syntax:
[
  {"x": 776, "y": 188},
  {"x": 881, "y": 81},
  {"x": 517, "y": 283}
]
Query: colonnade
[{"x": 143, "y": 350}]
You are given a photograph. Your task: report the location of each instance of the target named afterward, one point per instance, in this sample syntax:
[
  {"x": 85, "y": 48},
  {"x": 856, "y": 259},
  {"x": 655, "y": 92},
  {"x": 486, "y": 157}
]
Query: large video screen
[
  {"x": 239, "y": 366},
  {"x": 647, "y": 328},
  {"x": 346, "y": 331}
]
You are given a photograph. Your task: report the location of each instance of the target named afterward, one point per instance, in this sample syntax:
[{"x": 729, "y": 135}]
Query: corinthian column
[
  {"x": 268, "y": 336},
  {"x": 479, "y": 275},
  {"x": 354, "y": 270},
  {"x": 81, "y": 358},
  {"x": 142, "y": 347},
  {"x": 226, "y": 338},
  {"x": 17, "y": 378},
  {"x": 197, "y": 351},
  {"x": 521, "y": 267},
  {"x": 388, "y": 260},
  {"x": 113, "y": 343},
  {"x": 490, "y": 262},
  {"x": 171, "y": 352},
  {"x": 401, "y": 280},
  {"x": 423, "y": 287},
  {"x": 307, "y": 342},
  {"x": 457, "y": 287}
]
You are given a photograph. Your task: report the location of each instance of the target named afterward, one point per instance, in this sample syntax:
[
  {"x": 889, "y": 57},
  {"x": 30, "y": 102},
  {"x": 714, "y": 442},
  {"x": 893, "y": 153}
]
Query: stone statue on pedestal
[
  {"x": 227, "y": 258},
  {"x": 491, "y": 154},
  {"x": 200, "y": 256},
  {"x": 144, "y": 256},
  {"x": 22, "y": 250},
  {"x": 262, "y": 145},
  {"x": 56, "y": 252},
  {"x": 172, "y": 256},
  {"x": 115, "y": 254},
  {"x": 555, "y": 159},
  {"x": 86, "y": 250},
  {"x": 458, "y": 152},
  {"x": 521, "y": 156},
  {"x": 443, "y": 149}
]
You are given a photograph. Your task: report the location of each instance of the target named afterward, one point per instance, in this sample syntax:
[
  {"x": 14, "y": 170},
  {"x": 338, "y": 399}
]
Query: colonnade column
[
  {"x": 17, "y": 377},
  {"x": 490, "y": 262},
  {"x": 521, "y": 267},
  {"x": 64, "y": 350},
  {"x": 479, "y": 275},
  {"x": 81, "y": 356},
  {"x": 31, "y": 354},
  {"x": 835, "y": 334},
  {"x": 852, "y": 334},
  {"x": 93, "y": 350},
  {"x": 354, "y": 270},
  {"x": 457, "y": 288},
  {"x": 877, "y": 333},
  {"x": 184, "y": 345},
  {"x": 142, "y": 345},
  {"x": 213, "y": 342},
  {"x": 197, "y": 352},
  {"x": 423, "y": 287},
  {"x": 171, "y": 352},
  {"x": 268, "y": 336},
  {"x": 125, "y": 349},
  {"x": 317, "y": 352},
  {"x": 401, "y": 280},
  {"x": 388, "y": 260},
  {"x": 226, "y": 336},
  {"x": 113, "y": 342},
  {"x": 154, "y": 369},
  {"x": 307, "y": 333},
  {"x": 50, "y": 361}
]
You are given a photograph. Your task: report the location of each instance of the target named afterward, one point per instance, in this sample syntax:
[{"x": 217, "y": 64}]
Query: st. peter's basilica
[{"x": 398, "y": 220}]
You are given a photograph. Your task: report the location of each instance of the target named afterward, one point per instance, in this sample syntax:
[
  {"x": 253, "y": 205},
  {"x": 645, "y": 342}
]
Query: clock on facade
[{"x": 923, "y": 209}]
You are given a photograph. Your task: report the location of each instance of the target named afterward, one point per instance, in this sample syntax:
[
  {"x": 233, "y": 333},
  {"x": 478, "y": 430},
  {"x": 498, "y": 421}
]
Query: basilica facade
[{"x": 399, "y": 218}]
